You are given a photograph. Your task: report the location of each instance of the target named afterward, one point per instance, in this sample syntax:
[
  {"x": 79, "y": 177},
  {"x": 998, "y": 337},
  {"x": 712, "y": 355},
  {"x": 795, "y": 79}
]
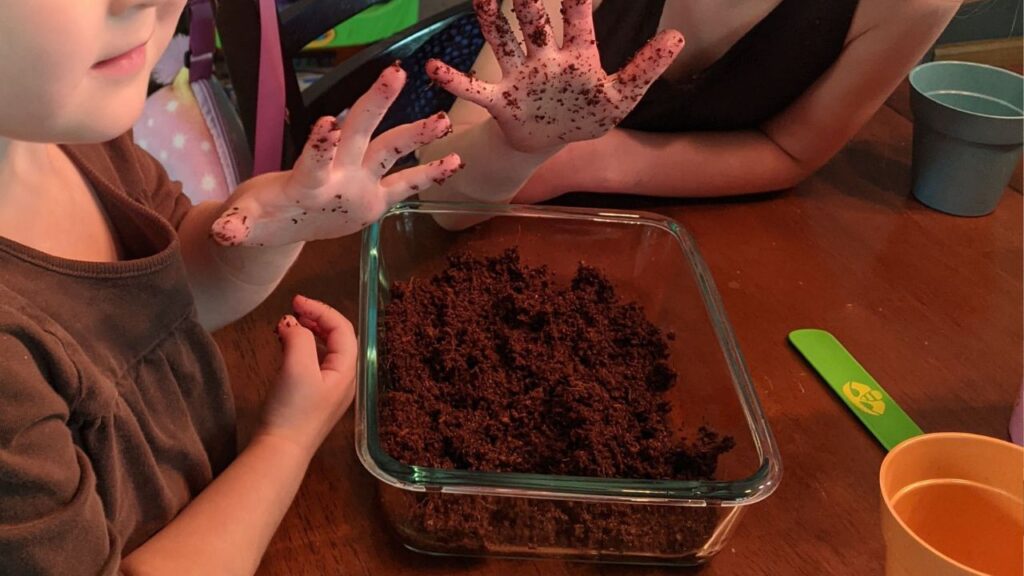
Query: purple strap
[
  {"x": 270, "y": 98},
  {"x": 200, "y": 40}
]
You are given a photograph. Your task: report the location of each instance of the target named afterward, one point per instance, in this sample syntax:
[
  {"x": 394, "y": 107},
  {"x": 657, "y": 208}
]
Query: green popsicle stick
[{"x": 855, "y": 387}]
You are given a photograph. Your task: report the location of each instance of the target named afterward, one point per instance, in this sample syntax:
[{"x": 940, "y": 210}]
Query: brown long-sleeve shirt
[{"x": 115, "y": 408}]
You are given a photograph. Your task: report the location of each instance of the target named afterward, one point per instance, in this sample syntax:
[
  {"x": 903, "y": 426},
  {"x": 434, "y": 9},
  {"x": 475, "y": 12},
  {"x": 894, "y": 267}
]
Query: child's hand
[
  {"x": 549, "y": 94},
  {"x": 338, "y": 184},
  {"x": 311, "y": 394}
]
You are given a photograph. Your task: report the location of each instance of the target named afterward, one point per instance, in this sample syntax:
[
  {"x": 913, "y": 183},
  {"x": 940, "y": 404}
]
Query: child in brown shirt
[{"x": 117, "y": 450}]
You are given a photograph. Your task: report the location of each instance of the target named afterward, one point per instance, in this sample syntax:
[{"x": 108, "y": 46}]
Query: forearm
[
  {"x": 228, "y": 281},
  {"x": 226, "y": 529},
  {"x": 703, "y": 164}
]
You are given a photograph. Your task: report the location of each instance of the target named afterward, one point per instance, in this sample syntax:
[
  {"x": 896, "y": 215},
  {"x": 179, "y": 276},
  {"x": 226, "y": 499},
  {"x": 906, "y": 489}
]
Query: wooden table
[{"x": 930, "y": 304}]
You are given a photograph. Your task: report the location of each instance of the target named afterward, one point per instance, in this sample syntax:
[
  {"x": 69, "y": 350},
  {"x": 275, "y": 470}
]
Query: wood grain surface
[{"x": 930, "y": 304}]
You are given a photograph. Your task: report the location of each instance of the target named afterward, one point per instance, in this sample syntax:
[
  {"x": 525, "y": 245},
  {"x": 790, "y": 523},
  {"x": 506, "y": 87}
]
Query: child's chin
[{"x": 102, "y": 127}]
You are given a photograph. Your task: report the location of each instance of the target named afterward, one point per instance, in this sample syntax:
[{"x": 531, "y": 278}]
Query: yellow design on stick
[{"x": 864, "y": 398}]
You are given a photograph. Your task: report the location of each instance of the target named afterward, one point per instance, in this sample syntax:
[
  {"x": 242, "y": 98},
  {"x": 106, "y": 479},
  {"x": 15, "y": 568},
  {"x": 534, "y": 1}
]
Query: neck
[
  {"x": 47, "y": 205},
  {"x": 33, "y": 177},
  {"x": 25, "y": 162}
]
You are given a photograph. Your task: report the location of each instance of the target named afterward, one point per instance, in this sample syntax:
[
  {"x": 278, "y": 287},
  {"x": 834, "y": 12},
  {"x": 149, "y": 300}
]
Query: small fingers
[
  {"x": 401, "y": 185},
  {"x": 297, "y": 343},
  {"x": 579, "y": 24},
  {"x": 535, "y": 24},
  {"x": 321, "y": 350},
  {"x": 649, "y": 62},
  {"x": 312, "y": 169},
  {"x": 364, "y": 116},
  {"x": 387, "y": 148},
  {"x": 498, "y": 33},
  {"x": 335, "y": 330},
  {"x": 459, "y": 84}
]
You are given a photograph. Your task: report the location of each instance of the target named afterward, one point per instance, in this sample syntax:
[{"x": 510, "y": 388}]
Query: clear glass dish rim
[{"x": 743, "y": 491}]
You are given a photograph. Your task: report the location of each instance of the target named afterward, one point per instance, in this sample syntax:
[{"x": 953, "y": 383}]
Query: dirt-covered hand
[
  {"x": 549, "y": 94},
  {"x": 340, "y": 183}
]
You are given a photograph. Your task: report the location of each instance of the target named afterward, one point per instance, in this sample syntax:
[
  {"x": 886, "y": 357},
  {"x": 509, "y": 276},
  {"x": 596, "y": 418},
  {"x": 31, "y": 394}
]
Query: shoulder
[
  {"x": 901, "y": 15},
  {"x": 126, "y": 167},
  {"x": 118, "y": 162}
]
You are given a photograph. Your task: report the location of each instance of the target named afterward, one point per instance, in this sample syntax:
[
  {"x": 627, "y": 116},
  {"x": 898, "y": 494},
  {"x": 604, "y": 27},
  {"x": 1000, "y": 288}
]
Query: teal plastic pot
[{"x": 968, "y": 129}]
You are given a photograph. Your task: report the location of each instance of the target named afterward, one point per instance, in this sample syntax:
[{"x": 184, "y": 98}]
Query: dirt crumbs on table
[{"x": 493, "y": 365}]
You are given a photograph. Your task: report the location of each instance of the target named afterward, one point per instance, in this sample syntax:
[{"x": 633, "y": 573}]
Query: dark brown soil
[{"x": 492, "y": 365}]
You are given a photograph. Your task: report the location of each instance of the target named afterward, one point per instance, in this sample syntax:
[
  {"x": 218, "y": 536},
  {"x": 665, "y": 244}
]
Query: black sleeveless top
[{"x": 765, "y": 71}]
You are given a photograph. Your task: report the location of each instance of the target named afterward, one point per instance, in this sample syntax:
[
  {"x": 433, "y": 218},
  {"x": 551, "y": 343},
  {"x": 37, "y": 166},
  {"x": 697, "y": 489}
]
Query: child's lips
[{"x": 126, "y": 63}]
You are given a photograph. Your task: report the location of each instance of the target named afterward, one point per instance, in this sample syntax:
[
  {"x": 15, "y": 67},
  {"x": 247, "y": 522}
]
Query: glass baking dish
[{"x": 651, "y": 260}]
